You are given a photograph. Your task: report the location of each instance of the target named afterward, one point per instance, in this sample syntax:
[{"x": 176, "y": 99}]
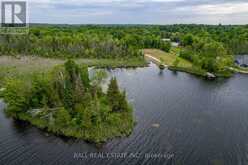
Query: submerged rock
[{"x": 210, "y": 75}]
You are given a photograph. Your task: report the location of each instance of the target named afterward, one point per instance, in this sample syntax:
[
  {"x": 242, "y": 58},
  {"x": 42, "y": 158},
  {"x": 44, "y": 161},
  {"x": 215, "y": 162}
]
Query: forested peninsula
[{"x": 64, "y": 101}]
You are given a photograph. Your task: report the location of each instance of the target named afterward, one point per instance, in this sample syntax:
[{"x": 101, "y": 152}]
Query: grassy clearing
[
  {"x": 27, "y": 65},
  {"x": 170, "y": 58},
  {"x": 113, "y": 63}
]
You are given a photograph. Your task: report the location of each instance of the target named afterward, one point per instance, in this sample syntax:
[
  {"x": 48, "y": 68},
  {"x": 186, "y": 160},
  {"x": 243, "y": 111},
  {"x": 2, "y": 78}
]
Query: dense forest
[
  {"x": 110, "y": 40},
  {"x": 84, "y": 42},
  {"x": 66, "y": 102}
]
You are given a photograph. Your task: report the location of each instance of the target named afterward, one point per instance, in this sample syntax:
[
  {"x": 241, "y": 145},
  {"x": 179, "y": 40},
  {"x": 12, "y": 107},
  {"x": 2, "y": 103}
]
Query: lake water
[
  {"x": 243, "y": 59},
  {"x": 185, "y": 119}
]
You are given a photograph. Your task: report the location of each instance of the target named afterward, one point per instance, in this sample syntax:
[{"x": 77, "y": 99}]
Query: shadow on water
[{"x": 20, "y": 126}]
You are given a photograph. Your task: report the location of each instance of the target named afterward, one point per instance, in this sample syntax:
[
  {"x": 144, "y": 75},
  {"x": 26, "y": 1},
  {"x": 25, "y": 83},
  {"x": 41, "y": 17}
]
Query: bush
[
  {"x": 17, "y": 96},
  {"x": 62, "y": 118},
  {"x": 187, "y": 54},
  {"x": 166, "y": 46},
  {"x": 188, "y": 40}
]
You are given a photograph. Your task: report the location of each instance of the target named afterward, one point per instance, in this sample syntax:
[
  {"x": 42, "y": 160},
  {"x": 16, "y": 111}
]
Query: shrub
[
  {"x": 62, "y": 118},
  {"x": 16, "y": 95}
]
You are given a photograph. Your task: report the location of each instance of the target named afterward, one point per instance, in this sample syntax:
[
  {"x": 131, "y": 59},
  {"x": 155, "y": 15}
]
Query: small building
[
  {"x": 166, "y": 39},
  {"x": 174, "y": 44}
]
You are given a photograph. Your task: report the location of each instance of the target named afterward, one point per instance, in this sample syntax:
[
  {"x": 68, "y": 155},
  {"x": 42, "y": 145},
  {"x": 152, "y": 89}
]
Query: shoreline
[
  {"x": 155, "y": 60},
  {"x": 174, "y": 68},
  {"x": 239, "y": 70},
  {"x": 168, "y": 58}
]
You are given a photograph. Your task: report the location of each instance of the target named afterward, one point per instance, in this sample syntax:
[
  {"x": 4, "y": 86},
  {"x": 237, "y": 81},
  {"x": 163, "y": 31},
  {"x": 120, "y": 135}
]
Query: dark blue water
[{"x": 190, "y": 120}]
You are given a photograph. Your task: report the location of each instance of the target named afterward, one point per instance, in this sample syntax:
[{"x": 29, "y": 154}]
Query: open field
[
  {"x": 168, "y": 59},
  {"x": 40, "y": 63},
  {"x": 26, "y": 65}
]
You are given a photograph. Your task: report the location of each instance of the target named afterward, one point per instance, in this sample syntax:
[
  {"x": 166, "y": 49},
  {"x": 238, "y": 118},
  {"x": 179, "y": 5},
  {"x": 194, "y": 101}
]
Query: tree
[
  {"x": 17, "y": 96},
  {"x": 74, "y": 89},
  {"x": 85, "y": 76},
  {"x": 123, "y": 104},
  {"x": 62, "y": 118},
  {"x": 188, "y": 40},
  {"x": 114, "y": 94},
  {"x": 166, "y": 46},
  {"x": 213, "y": 49},
  {"x": 116, "y": 99}
]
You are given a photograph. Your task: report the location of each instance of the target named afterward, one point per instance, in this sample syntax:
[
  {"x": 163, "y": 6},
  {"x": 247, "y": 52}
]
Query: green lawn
[{"x": 168, "y": 58}]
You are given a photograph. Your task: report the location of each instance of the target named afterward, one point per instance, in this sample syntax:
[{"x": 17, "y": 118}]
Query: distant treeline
[
  {"x": 85, "y": 42},
  {"x": 115, "y": 41},
  {"x": 233, "y": 37}
]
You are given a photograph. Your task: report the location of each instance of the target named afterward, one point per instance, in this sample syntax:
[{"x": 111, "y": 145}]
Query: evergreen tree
[
  {"x": 74, "y": 87},
  {"x": 85, "y": 76},
  {"x": 114, "y": 94},
  {"x": 116, "y": 99},
  {"x": 62, "y": 118},
  {"x": 123, "y": 102}
]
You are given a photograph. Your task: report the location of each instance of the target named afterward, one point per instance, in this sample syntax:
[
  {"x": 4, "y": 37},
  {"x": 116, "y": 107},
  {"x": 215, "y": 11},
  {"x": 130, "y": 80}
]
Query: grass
[
  {"x": 26, "y": 65},
  {"x": 113, "y": 63},
  {"x": 192, "y": 70},
  {"x": 239, "y": 69},
  {"x": 169, "y": 59},
  {"x": 40, "y": 63}
]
